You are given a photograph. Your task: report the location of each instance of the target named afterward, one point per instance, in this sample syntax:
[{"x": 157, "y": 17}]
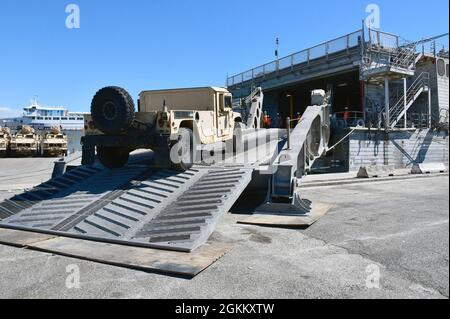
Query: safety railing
[
  {"x": 423, "y": 120},
  {"x": 436, "y": 46},
  {"x": 346, "y": 119},
  {"x": 306, "y": 57},
  {"x": 385, "y": 49},
  {"x": 383, "y": 41},
  {"x": 419, "y": 120},
  {"x": 415, "y": 120}
]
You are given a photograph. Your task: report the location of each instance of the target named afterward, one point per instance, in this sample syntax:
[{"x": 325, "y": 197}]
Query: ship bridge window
[
  {"x": 64, "y": 118},
  {"x": 71, "y": 119},
  {"x": 441, "y": 67},
  {"x": 40, "y": 118},
  {"x": 80, "y": 119}
]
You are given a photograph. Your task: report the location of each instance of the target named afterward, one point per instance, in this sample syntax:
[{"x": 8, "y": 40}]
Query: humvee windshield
[
  {"x": 29, "y": 136},
  {"x": 228, "y": 102}
]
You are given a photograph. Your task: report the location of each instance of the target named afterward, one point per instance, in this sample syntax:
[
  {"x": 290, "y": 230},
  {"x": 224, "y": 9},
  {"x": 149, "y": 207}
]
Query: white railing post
[
  {"x": 378, "y": 39},
  {"x": 347, "y": 40},
  {"x": 405, "y": 99},
  {"x": 387, "y": 104}
]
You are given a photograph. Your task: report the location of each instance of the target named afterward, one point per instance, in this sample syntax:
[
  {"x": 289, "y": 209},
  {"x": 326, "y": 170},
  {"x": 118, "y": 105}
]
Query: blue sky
[{"x": 142, "y": 44}]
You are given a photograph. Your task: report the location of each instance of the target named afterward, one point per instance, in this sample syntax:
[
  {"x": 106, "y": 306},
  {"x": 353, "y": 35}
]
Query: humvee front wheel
[
  {"x": 181, "y": 154},
  {"x": 113, "y": 157}
]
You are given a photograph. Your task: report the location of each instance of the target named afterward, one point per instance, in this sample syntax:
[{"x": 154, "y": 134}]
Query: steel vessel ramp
[{"x": 137, "y": 205}]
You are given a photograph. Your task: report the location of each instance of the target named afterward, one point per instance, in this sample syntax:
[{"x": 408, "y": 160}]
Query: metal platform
[{"x": 137, "y": 205}]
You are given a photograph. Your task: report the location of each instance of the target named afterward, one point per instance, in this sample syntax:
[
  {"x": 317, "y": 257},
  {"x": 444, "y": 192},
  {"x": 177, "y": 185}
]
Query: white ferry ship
[{"x": 42, "y": 117}]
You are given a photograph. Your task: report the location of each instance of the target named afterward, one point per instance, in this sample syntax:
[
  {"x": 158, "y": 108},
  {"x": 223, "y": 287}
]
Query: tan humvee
[
  {"x": 5, "y": 139},
  {"x": 25, "y": 142},
  {"x": 54, "y": 142},
  {"x": 165, "y": 118},
  {"x": 206, "y": 111}
]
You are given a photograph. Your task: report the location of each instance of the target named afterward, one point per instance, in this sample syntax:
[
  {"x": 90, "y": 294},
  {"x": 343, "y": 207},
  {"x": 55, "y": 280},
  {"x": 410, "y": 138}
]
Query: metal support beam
[
  {"x": 288, "y": 127},
  {"x": 386, "y": 102},
  {"x": 291, "y": 108},
  {"x": 429, "y": 107}
]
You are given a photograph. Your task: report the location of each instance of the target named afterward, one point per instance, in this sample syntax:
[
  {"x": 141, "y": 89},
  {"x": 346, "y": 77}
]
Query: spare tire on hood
[{"x": 112, "y": 110}]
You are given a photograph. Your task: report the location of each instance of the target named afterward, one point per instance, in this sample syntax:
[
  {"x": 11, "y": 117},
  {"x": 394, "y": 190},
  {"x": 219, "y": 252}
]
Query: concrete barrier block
[
  {"x": 376, "y": 171},
  {"x": 428, "y": 168}
]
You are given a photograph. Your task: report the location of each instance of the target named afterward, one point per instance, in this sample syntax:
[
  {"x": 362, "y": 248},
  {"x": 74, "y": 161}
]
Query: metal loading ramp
[
  {"x": 45, "y": 191},
  {"x": 137, "y": 205}
]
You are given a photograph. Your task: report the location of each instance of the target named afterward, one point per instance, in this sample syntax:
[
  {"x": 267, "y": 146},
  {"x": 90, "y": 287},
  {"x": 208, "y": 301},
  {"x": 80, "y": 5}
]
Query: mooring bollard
[
  {"x": 62, "y": 165},
  {"x": 59, "y": 168}
]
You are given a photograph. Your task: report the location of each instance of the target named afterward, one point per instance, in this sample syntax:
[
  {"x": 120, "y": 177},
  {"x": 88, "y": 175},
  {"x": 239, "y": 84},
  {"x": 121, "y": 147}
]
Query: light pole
[
  {"x": 277, "y": 41},
  {"x": 277, "y": 54},
  {"x": 291, "y": 106}
]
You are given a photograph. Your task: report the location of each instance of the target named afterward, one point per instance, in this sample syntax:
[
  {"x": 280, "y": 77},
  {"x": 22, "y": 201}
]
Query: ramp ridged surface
[
  {"x": 189, "y": 221},
  {"x": 45, "y": 191},
  {"x": 60, "y": 209},
  {"x": 136, "y": 205}
]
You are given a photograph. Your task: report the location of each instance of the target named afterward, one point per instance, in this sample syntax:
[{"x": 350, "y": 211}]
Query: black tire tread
[
  {"x": 129, "y": 109},
  {"x": 112, "y": 157}
]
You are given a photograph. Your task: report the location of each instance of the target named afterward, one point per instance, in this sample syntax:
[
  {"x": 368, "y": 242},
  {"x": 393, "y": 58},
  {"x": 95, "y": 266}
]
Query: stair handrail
[{"x": 421, "y": 81}]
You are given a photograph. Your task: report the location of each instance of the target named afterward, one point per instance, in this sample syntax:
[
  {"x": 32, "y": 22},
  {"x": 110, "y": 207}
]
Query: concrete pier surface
[
  {"x": 396, "y": 228},
  {"x": 17, "y": 174}
]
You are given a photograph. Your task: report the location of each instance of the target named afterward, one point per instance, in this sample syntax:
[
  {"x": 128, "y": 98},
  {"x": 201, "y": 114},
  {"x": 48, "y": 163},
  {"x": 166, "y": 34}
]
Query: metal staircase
[
  {"x": 388, "y": 55},
  {"x": 404, "y": 57},
  {"x": 398, "y": 109},
  {"x": 401, "y": 59}
]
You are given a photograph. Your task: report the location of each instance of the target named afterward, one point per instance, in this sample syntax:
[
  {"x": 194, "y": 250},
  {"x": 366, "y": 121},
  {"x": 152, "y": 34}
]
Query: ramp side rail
[
  {"x": 307, "y": 142},
  {"x": 255, "y": 115}
]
